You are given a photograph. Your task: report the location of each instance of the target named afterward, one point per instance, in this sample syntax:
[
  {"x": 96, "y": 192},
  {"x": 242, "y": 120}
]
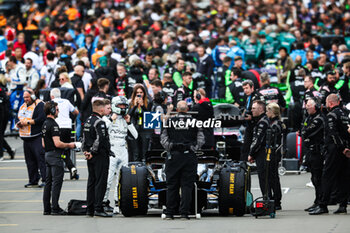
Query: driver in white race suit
[{"x": 118, "y": 126}]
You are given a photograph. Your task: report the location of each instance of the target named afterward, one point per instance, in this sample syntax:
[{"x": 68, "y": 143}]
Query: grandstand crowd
[{"x": 105, "y": 48}]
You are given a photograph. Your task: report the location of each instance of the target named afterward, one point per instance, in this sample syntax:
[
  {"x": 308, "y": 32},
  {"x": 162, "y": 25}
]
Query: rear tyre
[
  {"x": 133, "y": 190},
  {"x": 294, "y": 146},
  {"x": 232, "y": 191}
]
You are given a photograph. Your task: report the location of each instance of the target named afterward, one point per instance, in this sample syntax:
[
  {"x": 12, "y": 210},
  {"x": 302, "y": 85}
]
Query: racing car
[{"x": 222, "y": 182}]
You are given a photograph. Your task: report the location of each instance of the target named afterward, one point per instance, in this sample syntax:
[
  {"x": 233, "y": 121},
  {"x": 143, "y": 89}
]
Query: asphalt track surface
[{"x": 21, "y": 209}]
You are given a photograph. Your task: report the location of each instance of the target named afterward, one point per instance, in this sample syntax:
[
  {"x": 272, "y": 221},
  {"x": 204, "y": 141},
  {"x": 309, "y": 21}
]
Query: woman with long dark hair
[
  {"x": 40, "y": 85},
  {"x": 138, "y": 105}
]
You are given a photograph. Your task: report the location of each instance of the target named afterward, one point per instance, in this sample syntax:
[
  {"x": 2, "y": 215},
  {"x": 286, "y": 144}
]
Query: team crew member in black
[
  {"x": 4, "y": 116},
  {"x": 236, "y": 90},
  {"x": 65, "y": 123},
  {"x": 294, "y": 73},
  {"x": 103, "y": 86},
  {"x": 297, "y": 89},
  {"x": 273, "y": 112},
  {"x": 344, "y": 83},
  {"x": 184, "y": 92},
  {"x": 169, "y": 86},
  {"x": 106, "y": 71},
  {"x": 257, "y": 151},
  {"x": 96, "y": 148},
  {"x": 205, "y": 66},
  {"x": 313, "y": 134},
  {"x": 179, "y": 71},
  {"x": 223, "y": 71},
  {"x": 205, "y": 62},
  {"x": 205, "y": 111},
  {"x": 181, "y": 163},
  {"x": 53, "y": 160},
  {"x": 329, "y": 86},
  {"x": 310, "y": 90},
  {"x": 316, "y": 74},
  {"x": 271, "y": 94},
  {"x": 335, "y": 170},
  {"x": 251, "y": 96},
  {"x": 3, "y": 113}
]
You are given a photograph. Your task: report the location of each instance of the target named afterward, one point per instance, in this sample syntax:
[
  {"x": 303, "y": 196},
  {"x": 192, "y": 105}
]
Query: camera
[{"x": 139, "y": 96}]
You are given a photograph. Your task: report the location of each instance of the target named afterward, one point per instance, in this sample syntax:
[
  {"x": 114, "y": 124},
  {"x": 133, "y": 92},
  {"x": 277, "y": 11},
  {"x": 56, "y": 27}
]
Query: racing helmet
[{"x": 119, "y": 100}]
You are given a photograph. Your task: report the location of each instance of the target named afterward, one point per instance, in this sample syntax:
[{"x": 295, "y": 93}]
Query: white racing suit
[
  {"x": 32, "y": 78},
  {"x": 118, "y": 131},
  {"x": 18, "y": 77}
]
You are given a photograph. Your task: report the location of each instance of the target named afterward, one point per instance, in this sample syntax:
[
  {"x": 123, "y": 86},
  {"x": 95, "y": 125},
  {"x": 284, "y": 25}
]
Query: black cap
[
  {"x": 330, "y": 72},
  {"x": 238, "y": 58}
]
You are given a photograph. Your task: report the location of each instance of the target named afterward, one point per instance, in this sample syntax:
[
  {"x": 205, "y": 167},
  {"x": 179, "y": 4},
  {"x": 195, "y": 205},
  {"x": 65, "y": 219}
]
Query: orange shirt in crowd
[
  {"x": 97, "y": 55},
  {"x": 54, "y": 13},
  {"x": 106, "y": 23},
  {"x": 38, "y": 16},
  {"x": 3, "y": 21},
  {"x": 19, "y": 27},
  {"x": 31, "y": 26},
  {"x": 125, "y": 23},
  {"x": 72, "y": 13}
]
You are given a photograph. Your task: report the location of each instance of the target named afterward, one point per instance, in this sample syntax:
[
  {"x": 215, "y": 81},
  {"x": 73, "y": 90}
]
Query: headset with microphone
[
  {"x": 317, "y": 103},
  {"x": 198, "y": 95},
  {"x": 52, "y": 108},
  {"x": 32, "y": 95},
  {"x": 162, "y": 96}
]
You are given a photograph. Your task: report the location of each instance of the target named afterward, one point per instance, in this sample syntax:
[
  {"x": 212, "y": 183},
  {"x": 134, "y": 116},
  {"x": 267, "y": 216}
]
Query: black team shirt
[{"x": 50, "y": 129}]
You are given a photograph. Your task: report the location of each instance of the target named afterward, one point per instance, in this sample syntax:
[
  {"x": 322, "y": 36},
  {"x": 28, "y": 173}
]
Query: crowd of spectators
[
  {"x": 167, "y": 45},
  {"x": 166, "y": 30}
]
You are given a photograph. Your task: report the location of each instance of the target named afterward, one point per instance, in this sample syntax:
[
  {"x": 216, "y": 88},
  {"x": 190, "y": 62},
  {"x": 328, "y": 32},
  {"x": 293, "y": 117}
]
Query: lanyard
[{"x": 140, "y": 117}]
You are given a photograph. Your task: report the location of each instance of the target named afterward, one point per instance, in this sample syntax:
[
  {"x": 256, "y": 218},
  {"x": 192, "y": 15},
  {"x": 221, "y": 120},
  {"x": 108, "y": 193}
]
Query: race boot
[
  {"x": 116, "y": 208},
  {"x": 107, "y": 207}
]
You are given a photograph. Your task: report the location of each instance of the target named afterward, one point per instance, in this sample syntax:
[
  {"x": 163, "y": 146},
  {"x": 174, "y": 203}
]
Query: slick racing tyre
[
  {"x": 233, "y": 186},
  {"x": 294, "y": 146},
  {"x": 133, "y": 190}
]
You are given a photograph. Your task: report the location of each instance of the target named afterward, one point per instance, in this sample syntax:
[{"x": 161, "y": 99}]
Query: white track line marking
[
  {"x": 22, "y": 161},
  {"x": 284, "y": 190}
]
